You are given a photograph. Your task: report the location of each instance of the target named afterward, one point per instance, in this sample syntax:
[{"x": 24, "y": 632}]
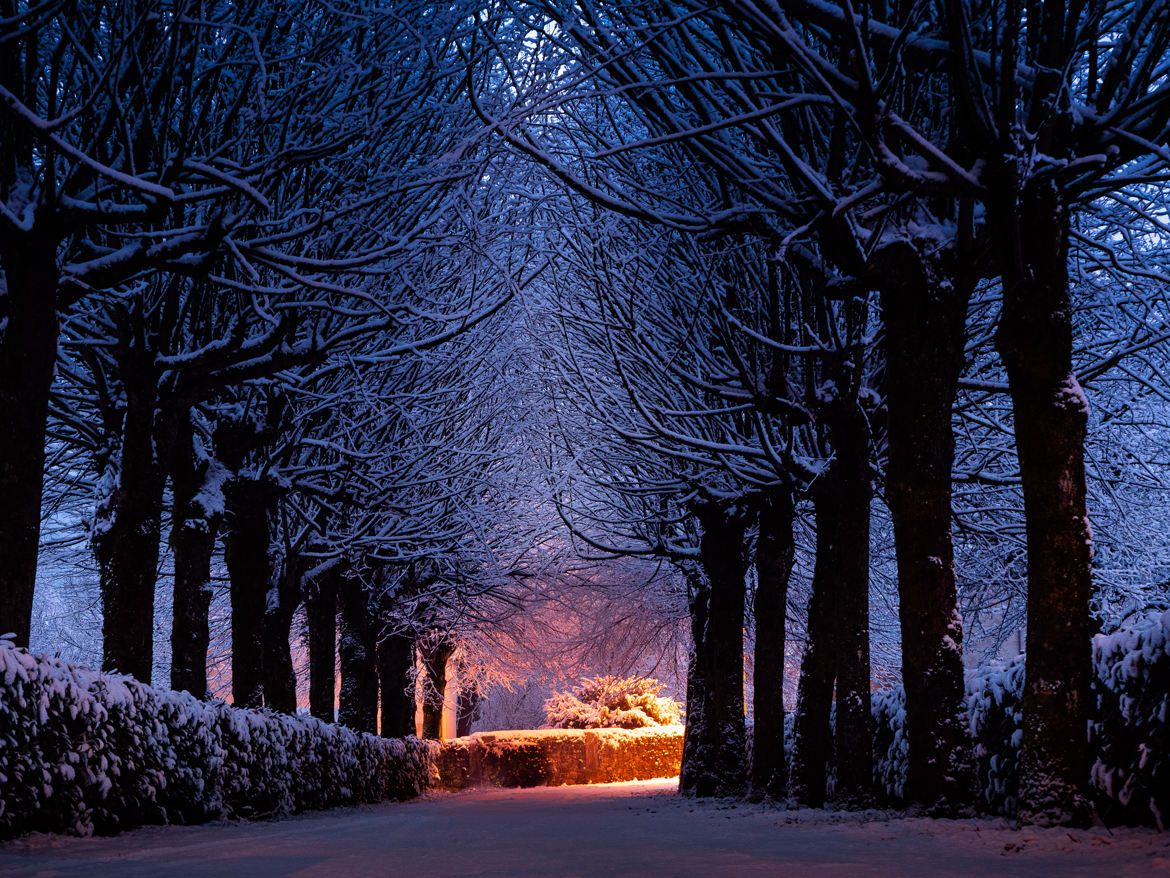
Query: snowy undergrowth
[
  {"x": 889, "y": 742},
  {"x": 85, "y": 752},
  {"x": 1131, "y": 738},
  {"x": 1129, "y": 735},
  {"x": 995, "y": 720}
]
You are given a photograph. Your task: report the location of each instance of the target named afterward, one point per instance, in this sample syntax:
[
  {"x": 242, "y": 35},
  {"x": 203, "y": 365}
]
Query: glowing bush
[{"x": 613, "y": 703}]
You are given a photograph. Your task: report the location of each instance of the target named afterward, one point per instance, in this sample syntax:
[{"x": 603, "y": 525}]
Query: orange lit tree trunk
[
  {"x": 435, "y": 650},
  {"x": 468, "y": 709}
]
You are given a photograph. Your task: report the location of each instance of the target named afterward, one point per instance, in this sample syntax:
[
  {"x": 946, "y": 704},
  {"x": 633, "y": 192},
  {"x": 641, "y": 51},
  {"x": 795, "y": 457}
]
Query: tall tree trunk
[
  {"x": 838, "y": 626},
  {"x": 281, "y": 602},
  {"x": 395, "y": 663},
  {"x": 775, "y": 554},
  {"x": 28, "y": 352},
  {"x": 694, "y": 753},
  {"x": 436, "y": 649},
  {"x": 853, "y": 488},
  {"x": 812, "y": 729},
  {"x": 128, "y": 529},
  {"x": 1051, "y": 418},
  {"x": 246, "y": 554},
  {"x": 721, "y": 769},
  {"x": 321, "y": 615},
  {"x": 924, "y": 322},
  {"x": 358, "y": 648},
  {"x": 198, "y": 500},
  {"x": 468, "y": 709}
]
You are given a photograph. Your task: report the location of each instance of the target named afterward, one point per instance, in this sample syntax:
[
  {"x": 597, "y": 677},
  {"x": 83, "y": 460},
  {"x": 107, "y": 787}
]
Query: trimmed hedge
[
  {"x": 1129, "y": 734},
  {"x": 84, "y": 752},
  {"x": 995, "y": 718},
  {"x": 1131, "y": 738},
  {"x": 890, "y": 746},
  {"x": 551, "y": 757}
]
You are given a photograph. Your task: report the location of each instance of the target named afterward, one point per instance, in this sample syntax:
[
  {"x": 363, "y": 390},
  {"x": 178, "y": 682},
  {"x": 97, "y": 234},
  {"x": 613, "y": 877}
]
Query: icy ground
[{"x": 636, "y": 829}]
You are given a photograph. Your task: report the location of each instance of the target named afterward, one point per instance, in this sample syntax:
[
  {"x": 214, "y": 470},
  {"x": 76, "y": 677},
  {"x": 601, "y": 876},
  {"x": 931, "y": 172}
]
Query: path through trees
[{"x": 637, "y": 829}]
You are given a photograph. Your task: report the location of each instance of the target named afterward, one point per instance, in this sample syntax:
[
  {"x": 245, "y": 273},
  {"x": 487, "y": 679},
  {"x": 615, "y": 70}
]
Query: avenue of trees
[{"x": 461, "y": 331}]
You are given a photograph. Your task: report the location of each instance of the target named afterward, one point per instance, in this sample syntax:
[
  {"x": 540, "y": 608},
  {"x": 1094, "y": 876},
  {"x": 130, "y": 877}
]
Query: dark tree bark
[
  {"x": 693, "y": 755},
  {"x": 468, "y": 710},
  {"x": 850, "y": 521},
  {"x": 28, "y": 353},
  {"x": 719, "y": 751},
  {"x": 838, "y": 626},
  {"x": 1051, "y": 418},
  {"x": 924, "y": 313},
  {"x": 281, "y": 601},
  {"x": 357, "y": 646},
  {"x": 246, "y": 554},
  {"x": 435, "y": 649},
  {"x": 812, "y": 731},
  {"x": 129, "y": 517},
  {"x": 196, "y": 521},
  {"x": 28, "y": 350},
  {"x": 321, "y": 615},
  {"x": 775, "y": 554},
  {"x": 395, "y": 662}
]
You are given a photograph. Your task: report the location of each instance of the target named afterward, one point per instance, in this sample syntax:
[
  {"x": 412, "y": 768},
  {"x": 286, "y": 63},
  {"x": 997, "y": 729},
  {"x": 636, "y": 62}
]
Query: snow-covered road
[{"x": 636, "y": 829}]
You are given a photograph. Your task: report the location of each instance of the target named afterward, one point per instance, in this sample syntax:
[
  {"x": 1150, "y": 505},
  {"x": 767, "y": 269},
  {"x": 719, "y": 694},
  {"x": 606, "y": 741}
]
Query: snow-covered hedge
[
  {"x": 1130, "y": 732},
  {"x": 84, "y": 752},
  {"x": 551, "y": 757},
  {"x": 995, "y": 719},
  {"x": 1131, "y": 737},
  {"x": 889, "y": 743}
]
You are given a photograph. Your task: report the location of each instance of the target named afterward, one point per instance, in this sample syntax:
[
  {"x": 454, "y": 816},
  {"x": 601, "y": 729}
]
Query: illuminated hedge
[{"x": 551, "y": 757}]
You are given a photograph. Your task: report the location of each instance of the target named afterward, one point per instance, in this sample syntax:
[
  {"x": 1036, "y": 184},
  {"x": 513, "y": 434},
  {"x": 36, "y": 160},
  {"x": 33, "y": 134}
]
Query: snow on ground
[{"x": 634, "y": 829}]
